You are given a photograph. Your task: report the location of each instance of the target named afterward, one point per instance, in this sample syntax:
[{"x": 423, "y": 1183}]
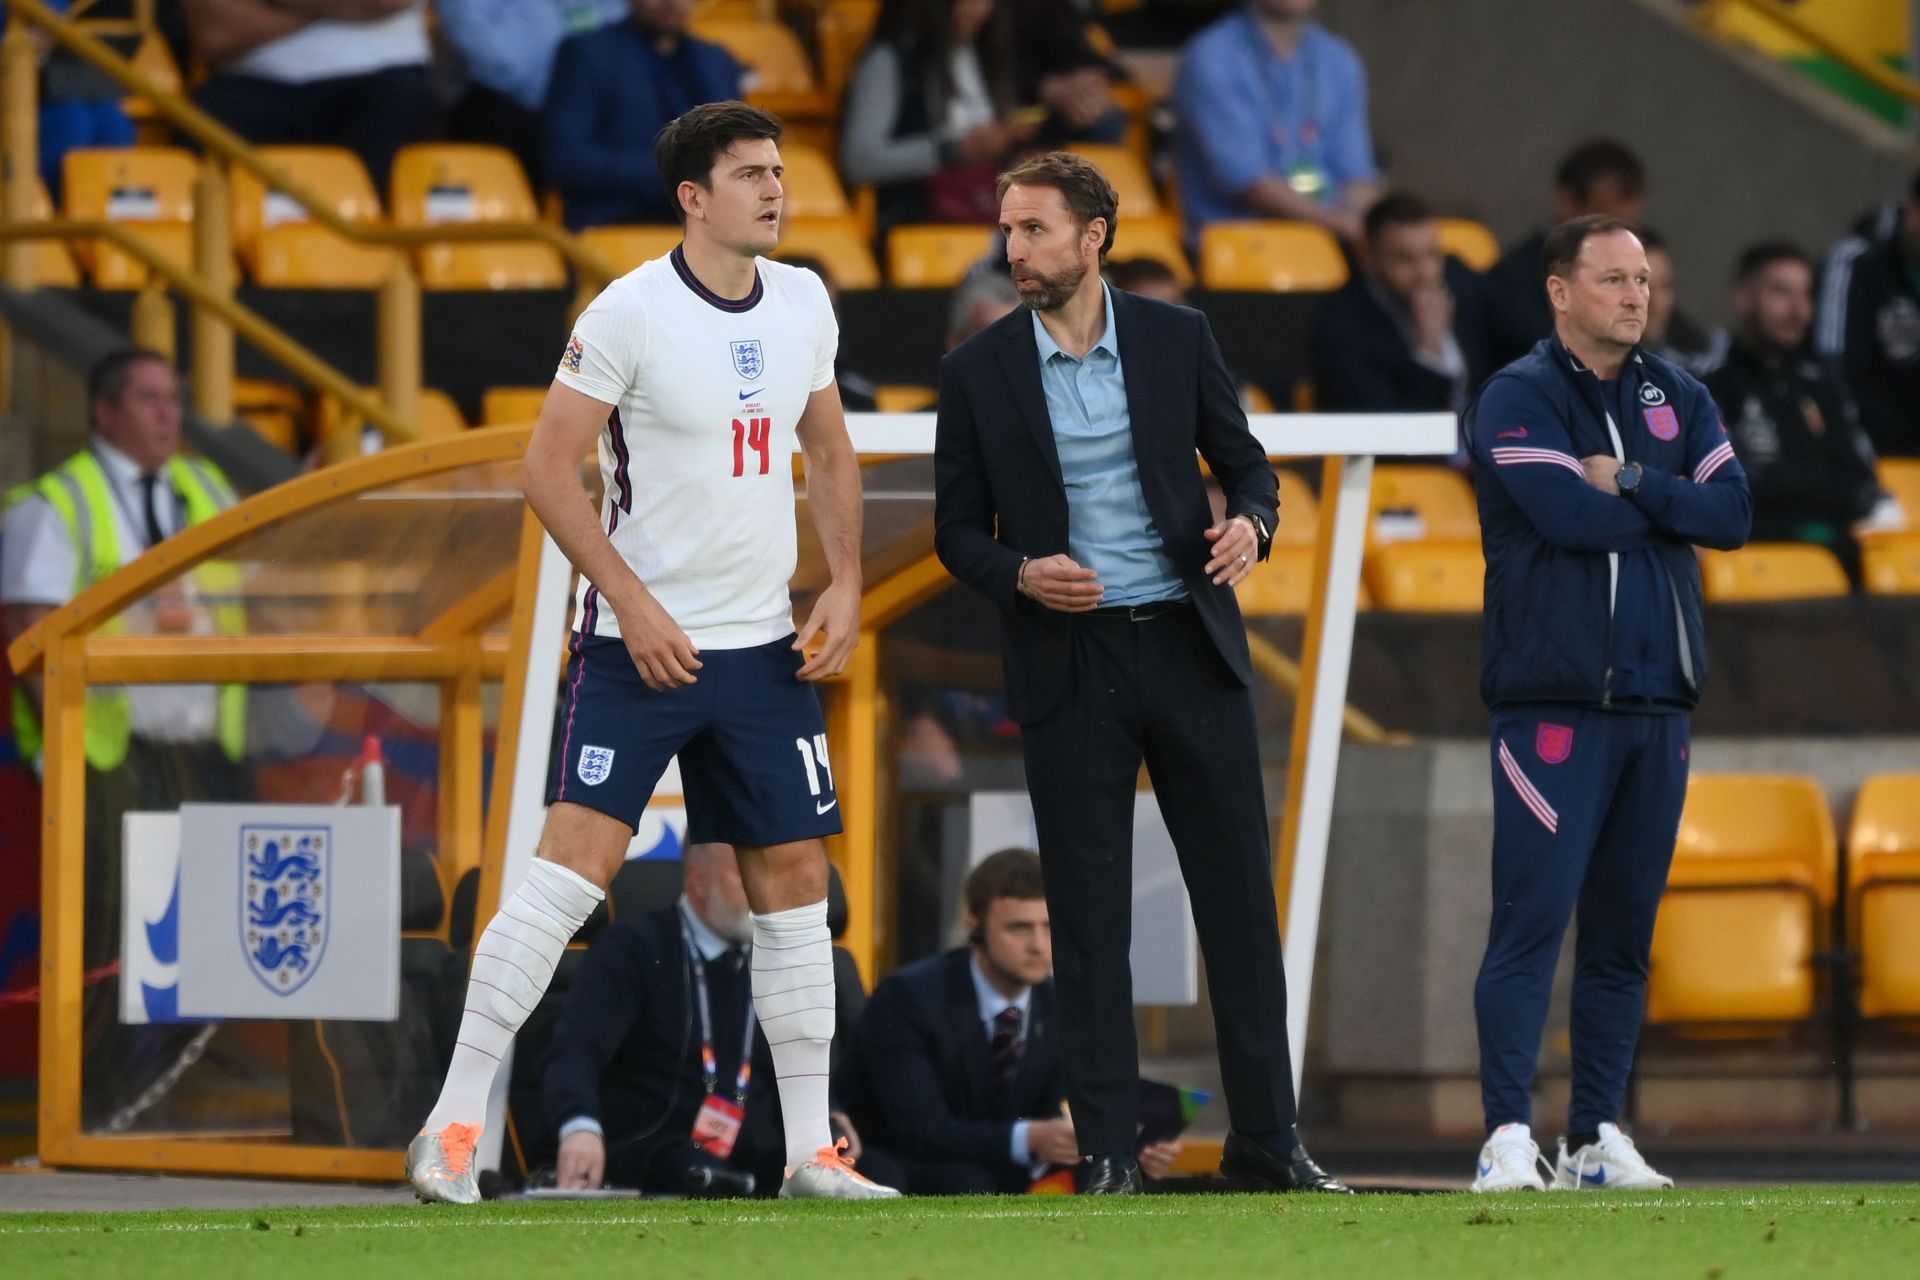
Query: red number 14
[{"x": 755, "y": 434}]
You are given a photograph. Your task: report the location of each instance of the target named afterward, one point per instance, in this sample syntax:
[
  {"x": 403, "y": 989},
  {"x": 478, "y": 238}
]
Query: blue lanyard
[{"x": 709, "y": 1068}]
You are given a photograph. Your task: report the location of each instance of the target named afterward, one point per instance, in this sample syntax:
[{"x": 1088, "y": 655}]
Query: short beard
[{"x": 1054, "y": 290}]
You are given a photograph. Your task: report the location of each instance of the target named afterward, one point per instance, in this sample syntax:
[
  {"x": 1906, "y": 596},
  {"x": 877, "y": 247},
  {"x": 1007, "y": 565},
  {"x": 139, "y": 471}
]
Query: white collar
[
  {"x": 123, "y": 470},
  {"x": 991, "y": 1001},
  {"x": 709, "y": 944}
]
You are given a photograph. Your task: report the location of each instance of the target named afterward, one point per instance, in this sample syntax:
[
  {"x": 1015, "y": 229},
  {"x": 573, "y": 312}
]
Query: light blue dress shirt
[
  {"x": 1108, "y": 528},
  {"x": 1247, "y": 113},
  {"x": 508, "y": 45},
  {"x": 991, "y": 1005}
]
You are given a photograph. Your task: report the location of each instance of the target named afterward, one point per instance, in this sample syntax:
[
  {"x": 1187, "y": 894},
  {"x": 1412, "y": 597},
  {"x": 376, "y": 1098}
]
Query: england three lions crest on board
[
  {"x": 285, "y": 873},
  {"x": 748, "y": 361}
]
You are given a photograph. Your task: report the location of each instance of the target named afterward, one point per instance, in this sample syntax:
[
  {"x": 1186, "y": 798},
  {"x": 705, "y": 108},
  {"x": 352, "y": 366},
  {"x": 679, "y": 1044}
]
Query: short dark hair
[
  {"x": 1757, "y": 258},
  {"x": 688, "y": 146},
  {"x": 1394, "y": 209},
  {"x": 1010, "y": 873},
  {"x": 1598, "y": 160},
  {"x": 1078, "y": 180},
  {"x": 108, "y": 378},
  {"x": 1131, "y": 274},
  {"x": 1565, "y": 241}
]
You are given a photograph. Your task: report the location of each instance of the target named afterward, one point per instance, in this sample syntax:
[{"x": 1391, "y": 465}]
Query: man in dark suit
[
  {"x": 637, "y": 1101},
  {"x": 1395, "y": 338},
  {"x": 1068, "y": 494}
]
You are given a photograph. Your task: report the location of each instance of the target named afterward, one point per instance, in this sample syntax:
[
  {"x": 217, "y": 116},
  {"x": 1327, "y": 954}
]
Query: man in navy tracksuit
[{"x": 1599, "y": 468}]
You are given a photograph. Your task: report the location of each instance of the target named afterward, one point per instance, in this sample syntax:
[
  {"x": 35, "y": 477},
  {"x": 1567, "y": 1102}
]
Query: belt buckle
[{"x": 1145, "y": 612}]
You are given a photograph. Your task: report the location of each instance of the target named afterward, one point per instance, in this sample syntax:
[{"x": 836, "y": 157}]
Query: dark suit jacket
[
  {"x": 918, "y": 1079},
  {"x": 1363, "y": 361},
  {"x": 627, "y": 1050},
  {"x": 999, "y": 495}
]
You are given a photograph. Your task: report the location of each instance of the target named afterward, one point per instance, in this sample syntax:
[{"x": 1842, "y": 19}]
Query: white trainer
[
  {"x": 1511, "y": 1161},
  {"x": 440, "y": 1165},
  {"x": 830, "y": 1176},
  {"x": 1611, "y": 1164}
]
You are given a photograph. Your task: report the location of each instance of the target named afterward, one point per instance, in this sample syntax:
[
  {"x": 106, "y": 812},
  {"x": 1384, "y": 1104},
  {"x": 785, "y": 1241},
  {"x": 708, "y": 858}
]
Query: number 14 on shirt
[{"x": 755, "y": 434}]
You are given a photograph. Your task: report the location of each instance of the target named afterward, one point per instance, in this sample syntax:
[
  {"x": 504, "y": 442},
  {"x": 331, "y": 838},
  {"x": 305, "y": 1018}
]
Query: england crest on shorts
[
  {"x": 596, "y": 763},
  {"x": 747, "y": 359},
  {"x": 284, "y": 878}
]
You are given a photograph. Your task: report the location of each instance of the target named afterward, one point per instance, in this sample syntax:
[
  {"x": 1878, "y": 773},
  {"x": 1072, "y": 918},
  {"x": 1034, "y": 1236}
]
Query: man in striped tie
[{"x": 1599, "y": 468}]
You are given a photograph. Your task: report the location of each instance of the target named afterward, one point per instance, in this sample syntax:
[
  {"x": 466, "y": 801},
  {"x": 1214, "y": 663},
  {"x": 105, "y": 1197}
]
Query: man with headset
[{"x": 645, "y": 1078}]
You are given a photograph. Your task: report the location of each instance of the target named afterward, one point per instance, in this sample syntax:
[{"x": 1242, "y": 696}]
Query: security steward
[{"x": 1599, "y": 467}]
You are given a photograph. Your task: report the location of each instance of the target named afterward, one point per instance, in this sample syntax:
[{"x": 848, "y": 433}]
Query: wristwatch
[
  {"x": 1628, "y": 478},
  {"x": 1261, "y": 535}
]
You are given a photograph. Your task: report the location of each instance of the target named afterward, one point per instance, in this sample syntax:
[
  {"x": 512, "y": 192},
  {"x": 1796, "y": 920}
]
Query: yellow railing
[
  {"x": 1710, "y": 13},
  {"x": 398, "y": 322}
]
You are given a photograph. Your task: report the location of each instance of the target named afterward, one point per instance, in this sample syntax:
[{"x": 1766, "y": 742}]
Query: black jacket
[
  {"x": 1555, "y": 627},
  {"x": 1362, "y": 352},
  {"x": 999, "y": 496},
  {"x": 1517, "y": 313},
  {"x": 1799, "y": 438},
  {"x": 1869, "y": 320},
  {"x": 626, "y": 1051},
  {"x": 918, "y": 1081}
]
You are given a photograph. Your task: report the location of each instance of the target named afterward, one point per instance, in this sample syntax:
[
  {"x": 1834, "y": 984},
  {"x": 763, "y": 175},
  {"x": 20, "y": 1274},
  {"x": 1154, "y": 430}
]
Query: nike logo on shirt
[
  {"x": 822, "y": 808},
  {"x": 748, "y": 395},
  {"x": 1518, "y": 433}
]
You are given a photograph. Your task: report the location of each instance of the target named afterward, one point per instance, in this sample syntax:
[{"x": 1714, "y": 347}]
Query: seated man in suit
[
  {"x": 645, "y": 1077},
  {"x": 953, "y": 1074}
]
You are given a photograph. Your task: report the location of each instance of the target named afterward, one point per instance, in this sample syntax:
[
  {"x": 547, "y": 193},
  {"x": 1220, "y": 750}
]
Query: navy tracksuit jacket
[{"x": 1593, "y": 654}]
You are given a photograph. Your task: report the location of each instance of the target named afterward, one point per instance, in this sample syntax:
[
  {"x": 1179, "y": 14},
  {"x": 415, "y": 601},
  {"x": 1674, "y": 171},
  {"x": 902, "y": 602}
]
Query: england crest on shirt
[{"x": 748, "y": 361}]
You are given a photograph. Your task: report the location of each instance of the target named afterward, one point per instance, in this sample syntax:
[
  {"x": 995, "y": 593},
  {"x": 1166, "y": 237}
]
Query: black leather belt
[{"x": 1137, "y": 612}]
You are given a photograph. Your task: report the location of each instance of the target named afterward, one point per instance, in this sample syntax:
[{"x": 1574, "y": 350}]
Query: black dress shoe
[
  {"x": 1112, "y": 1176},
  {"x": 1249, "y": 1162}
]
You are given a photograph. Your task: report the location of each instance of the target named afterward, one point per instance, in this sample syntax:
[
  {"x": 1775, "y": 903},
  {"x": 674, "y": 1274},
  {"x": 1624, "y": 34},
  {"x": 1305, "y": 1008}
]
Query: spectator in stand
[
  {"x": 1869, "y": 320},
  {"x": 1273, "y": 122},
  {"x": 1671, "y": 335},
  {"x": 79, "y": 107},
  {"x": 1601, "y": 176},
  {"x": 612, "y": 91},
  {"x": 345, "y": 73},
  {"x": 1152, "y": 278},
  {"x": 857, "y": 390},
  {"x": 1056, "y": 66},
  {"x": 504, "y": 52},
  {"x": 1793, "y": 426},
  {"x": 931, "y": 111},
  {"x": 976, "y": 302},
  {"x": 1393, "y": 339}
]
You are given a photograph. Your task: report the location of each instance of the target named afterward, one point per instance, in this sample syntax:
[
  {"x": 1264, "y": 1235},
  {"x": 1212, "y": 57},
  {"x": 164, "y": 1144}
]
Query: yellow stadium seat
[
  {"x": 1426, "y": 577},
  {"x": 438, "y": 416},
  {"x": 842, "y": 33},
  {"x": 1891, "y": 564},
  {"x": 1883, "y": 885},
  {"x": 838, "y": 245},
  {"x": 1763, "y": 571},
  {"x": 934, "y": 256},
  {"x": 775, "y": 59},
  {"x": 1158, "y": 238},
  {"x": 812, "y": 185},
  {"x": 629, "y": 247},
  {"x": 276, "y": 411},
  {"x": 1471, "y": 242},
  {"x": 1139, "y": 198},
  {"x": 1274, "y": 255},
  {"x": 1744, "y": 916},
  {"x": 1415, "y": 503},
  {"x": 1901, "y": 478},
  {"x": 501, "y": 406},
  {"x": 49, "y": 260},
  {"x": 899, "y": 398},
  {"x": 148, "y": 188},
  {"x": 436, "y": 183},
  {"x": 1281, "y": 586},
  {"x": 284, "y": 248},
  {"x": 1299, "y": 512}
]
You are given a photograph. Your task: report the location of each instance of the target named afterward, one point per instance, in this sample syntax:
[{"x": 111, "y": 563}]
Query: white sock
[
  {"x": 793, "y": 996},
  {"x": 512, "y": 966}
]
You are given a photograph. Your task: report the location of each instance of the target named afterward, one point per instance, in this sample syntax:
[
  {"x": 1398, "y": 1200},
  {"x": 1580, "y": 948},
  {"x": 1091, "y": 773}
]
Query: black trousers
[
  {"x": 373, "y": 115},
  {"x": 1157, "y": 692}
]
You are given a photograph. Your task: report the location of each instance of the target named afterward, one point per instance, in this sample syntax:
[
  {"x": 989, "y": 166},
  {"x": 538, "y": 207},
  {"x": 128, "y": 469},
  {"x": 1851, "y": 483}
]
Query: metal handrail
[
  {"x": 1906, "y": 88},
  {"x": 222, "y": 141},
  {"x": 245, "y": 322}
]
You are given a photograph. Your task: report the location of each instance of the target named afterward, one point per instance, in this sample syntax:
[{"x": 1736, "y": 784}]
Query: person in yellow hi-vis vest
[{"x": 148, "y": 747}]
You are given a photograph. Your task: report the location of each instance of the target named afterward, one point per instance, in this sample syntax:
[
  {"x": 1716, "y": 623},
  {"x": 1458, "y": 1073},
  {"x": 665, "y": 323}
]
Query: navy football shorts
[{"x": 750, "y": 737}]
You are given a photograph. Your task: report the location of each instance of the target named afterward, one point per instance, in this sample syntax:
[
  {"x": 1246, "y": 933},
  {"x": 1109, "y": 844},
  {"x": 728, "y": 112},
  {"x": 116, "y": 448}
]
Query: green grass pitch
[{"x": 1837, "y": 1232}]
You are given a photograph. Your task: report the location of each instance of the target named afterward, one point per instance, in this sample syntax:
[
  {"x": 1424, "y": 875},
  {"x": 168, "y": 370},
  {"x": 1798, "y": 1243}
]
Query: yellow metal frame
[{"x": 1709, "y": 13}]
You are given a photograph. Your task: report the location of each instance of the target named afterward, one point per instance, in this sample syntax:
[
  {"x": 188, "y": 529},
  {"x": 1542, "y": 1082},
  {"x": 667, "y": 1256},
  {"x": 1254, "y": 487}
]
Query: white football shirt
[{"x": 697, "y": 458}]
